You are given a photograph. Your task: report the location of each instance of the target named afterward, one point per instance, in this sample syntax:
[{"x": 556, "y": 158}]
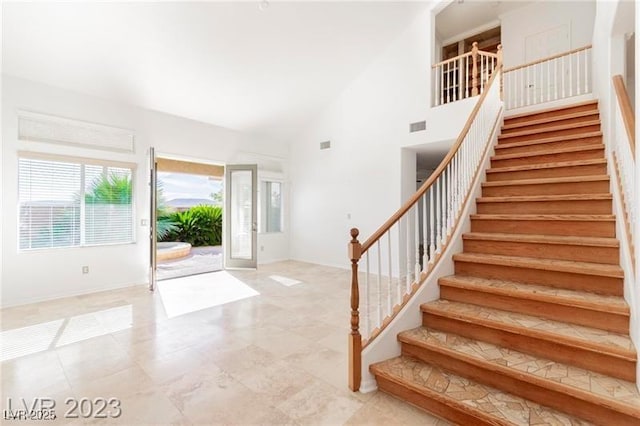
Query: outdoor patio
[{"x": 201, "y": 260}]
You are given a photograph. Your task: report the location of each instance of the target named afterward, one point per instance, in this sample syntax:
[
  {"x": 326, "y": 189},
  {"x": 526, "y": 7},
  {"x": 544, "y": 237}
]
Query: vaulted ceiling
[{"x": 239, "y": 65}]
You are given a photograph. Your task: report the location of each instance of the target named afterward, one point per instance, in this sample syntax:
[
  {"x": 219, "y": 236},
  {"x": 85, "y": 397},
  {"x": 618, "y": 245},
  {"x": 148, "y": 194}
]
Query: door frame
[
  {"x": 229, "y": 261},
  {"x": 153, "y": 185},
  {"x": 153, "y": 210}
]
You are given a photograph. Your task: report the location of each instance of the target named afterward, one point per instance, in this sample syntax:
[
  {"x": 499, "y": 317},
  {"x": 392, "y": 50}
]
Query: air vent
[
  {"x": 325, "y": 145},
  {"x": 418, "y": 126}
]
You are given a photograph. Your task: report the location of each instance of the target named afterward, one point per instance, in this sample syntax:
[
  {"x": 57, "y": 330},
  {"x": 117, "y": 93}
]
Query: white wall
[
  {"x": 39, "y": 275},
  {"x": 357, "y": 183},
  {"x": 444, "y": 122},
  {"x": 542, "y": 16}
]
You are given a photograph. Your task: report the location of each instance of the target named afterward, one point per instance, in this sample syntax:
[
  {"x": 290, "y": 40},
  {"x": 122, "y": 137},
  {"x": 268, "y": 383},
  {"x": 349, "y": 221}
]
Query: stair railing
[
  {"x": 402, "y": 253},
  {"x": 549, "y": 79},
  {"x": 464, "y": 76},
  {"x": 623, "y": 150}
]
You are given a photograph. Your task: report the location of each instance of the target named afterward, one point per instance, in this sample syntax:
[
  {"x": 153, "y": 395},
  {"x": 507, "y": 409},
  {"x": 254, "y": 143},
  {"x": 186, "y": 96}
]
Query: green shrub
[
  {"x": 164, "y": 227},
  {"x": 198, "y": 226}
]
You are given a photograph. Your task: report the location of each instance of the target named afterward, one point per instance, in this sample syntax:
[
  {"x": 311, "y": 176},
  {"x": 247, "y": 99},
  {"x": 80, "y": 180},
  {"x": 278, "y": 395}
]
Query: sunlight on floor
[
  {"x": 284, "y": 280},
  {"x": 48, "y": 335},
  {"x": 189, "y": 294}
]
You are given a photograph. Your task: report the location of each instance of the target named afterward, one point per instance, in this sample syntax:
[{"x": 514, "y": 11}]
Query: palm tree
[{"x": 109, "y": 189}]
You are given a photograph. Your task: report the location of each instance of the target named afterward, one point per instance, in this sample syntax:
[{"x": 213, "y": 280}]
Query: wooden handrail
[
  {"x": 437, "y": 172},
  {"x": 627, "y": 111},
  {"x": 480, "y": 52},
  {"x": 548, "y": 58},
  {"x": 451, "y": 60}
]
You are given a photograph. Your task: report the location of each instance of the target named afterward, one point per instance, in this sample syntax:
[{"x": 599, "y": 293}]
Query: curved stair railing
[
  {"x": 403, "y": 252},
  {"x": 623, "y": 150}
]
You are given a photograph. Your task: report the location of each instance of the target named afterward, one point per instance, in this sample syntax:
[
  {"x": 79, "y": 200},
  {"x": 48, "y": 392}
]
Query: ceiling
[
  {"x": 460, "y": 16},
  {"x": 230, "y": 64}
]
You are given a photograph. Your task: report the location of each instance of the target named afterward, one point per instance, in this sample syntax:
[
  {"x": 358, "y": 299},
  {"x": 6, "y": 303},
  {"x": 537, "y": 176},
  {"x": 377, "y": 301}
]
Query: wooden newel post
[
  {"x": 355, "y": 340},
  {"x": 474, "y": 69},
  {"x": 500, "y": 69}
]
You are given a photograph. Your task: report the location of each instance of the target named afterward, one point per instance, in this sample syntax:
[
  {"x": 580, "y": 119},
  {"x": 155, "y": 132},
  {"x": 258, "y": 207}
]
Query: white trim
[{"x": 37, "y": 127}]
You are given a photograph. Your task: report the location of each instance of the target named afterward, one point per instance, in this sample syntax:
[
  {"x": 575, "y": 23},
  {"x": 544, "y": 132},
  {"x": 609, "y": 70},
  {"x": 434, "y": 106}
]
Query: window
[
  {"x": 272, "y": 206},
  {"x": 72, "y": 203}
]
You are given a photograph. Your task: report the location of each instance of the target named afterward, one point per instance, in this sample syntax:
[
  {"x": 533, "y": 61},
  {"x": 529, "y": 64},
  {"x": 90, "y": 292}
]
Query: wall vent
[
  {"x": 325, "y": 145},
  {"x": 418, "y": 126}
]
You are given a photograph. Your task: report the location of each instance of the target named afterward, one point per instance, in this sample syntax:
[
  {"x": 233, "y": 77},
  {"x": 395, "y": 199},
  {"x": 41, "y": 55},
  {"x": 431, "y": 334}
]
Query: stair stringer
[
  {"x": 386, "y": 344},
  {"x": 631, "y": 283}
]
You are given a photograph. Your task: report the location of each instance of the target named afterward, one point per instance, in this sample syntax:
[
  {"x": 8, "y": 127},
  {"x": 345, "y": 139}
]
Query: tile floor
[{"x": 276, "y": 357}]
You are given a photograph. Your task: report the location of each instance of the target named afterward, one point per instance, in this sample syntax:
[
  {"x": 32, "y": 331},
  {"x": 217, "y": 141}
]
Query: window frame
[
  {"x": 262, "y": 207},
  {"x": 82, "y": 161}
]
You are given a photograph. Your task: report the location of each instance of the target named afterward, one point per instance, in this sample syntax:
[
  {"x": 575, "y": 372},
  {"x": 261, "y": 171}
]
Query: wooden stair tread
[
  {"x": 578, "y": 382},
  {"x": 551, "y": 151},
  {"x": 580, "y": 337},
  {"x": 485, "y": 403},
  {"x": 582, "y": 299},
  {"x": 552, "y": 109},
  {"x": 541, "y": 181},
  {"x": 547, "y": 140},
  {"x": 549, "y": 129},
  {"x": 529, "y": 198},
  {"x": 544, "y": 239},
  {"x": 546, "y": 217},
  {"x": 547, "y": 165},
  {"x": 585, "y": 268},
  {"x": 559, "y": 117}
]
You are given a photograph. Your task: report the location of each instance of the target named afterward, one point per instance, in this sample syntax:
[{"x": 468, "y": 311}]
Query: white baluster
[
  {"x": 535, "y": 84},
  {"x": 441, "y": 87},
  {"x": 416, "y": 234},
  {"x": 389, "y": 287},
  {"x": 409, "y": 242},
  {"x": 556, "y": 80},
  {"x": 448, "y": 74},
  {"x": 367, "y": 295},
  {"x": 453, "y": 84},
  {"x": 438, "y": 191},
  {"x": 579, "y": 89},
  {"x": 523, "y": 93},
  {"x": 399, "y": 296},
  {"x": 527, "y": 84},
  {"x": 432, "y": 248},
  {"x": 379, "y": 284},
  {"x": 562, "y": 73},
  {"x": 482, "y": 69},
  {"x": 445, "y": 199},
  {"x": 586, "y": 71},
  {"x": 466, "y": 77},
  {"x": 425, "y": 235},
  {"x": 571, "y": 75},
  {"x": 435, "y": 86},
  {"x": 549, "y": 80}
]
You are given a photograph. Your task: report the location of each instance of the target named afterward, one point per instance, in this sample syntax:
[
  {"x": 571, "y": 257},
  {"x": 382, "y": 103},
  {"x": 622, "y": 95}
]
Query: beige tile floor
[{"x": 276, "y": 357}]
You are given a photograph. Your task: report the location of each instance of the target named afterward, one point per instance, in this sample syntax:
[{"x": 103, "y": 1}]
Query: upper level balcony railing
[
  {"x": 548, "y": 79},
  {"x": 463, "y": 76}
]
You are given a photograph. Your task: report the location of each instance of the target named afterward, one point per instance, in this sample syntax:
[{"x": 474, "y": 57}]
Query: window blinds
[{"x": 71, "y": 203}]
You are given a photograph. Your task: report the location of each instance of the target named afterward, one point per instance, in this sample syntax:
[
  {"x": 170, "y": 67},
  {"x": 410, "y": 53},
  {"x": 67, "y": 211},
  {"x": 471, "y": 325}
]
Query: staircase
[{"x": 533, "y": 327}]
